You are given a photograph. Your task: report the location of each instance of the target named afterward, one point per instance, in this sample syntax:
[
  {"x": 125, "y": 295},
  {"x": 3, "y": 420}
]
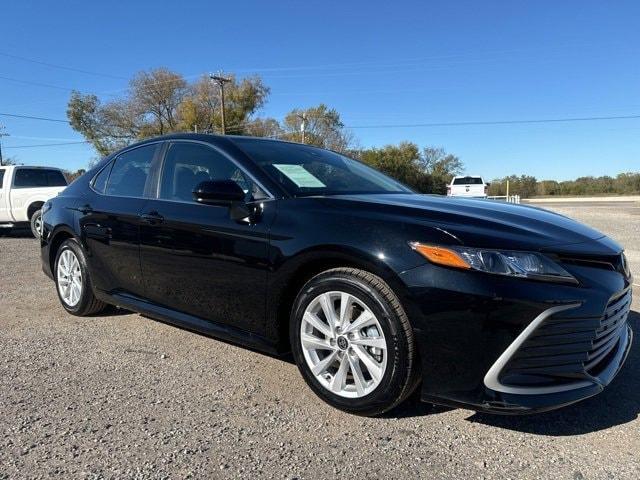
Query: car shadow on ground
[
  {"x": 17, "y": 233},
  {"x": 619, "y": 403}
]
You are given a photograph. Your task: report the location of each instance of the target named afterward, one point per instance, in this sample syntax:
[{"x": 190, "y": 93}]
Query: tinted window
[
  {"x": 1, "y": 178},
  {"x": 188, "y": 164},
  {"x": 468, "y": 181},
  {"x": 130, "y": 172},
  {"x": 304, "y": 170},
  {"x": 100, "y": 182},
  {"x": 38, "y": 177}
]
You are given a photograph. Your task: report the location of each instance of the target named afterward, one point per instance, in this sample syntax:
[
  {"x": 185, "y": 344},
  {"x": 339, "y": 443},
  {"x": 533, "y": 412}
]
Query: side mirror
[{"x": 218, "y": 192}]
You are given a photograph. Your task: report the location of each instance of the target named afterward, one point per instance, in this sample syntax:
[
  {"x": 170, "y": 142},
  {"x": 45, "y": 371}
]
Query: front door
[{"x": 195, "y": 258}]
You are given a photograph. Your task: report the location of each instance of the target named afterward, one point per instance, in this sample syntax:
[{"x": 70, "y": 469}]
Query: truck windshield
[{"x": 38, "y": 177}]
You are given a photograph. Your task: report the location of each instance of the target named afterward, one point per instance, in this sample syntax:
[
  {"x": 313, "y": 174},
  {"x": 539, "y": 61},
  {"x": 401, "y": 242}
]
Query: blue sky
[{"x": 377, "y": 63}]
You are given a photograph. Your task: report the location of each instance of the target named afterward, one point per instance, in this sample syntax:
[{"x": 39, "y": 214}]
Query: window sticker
[{"x": 300, "y": 176}]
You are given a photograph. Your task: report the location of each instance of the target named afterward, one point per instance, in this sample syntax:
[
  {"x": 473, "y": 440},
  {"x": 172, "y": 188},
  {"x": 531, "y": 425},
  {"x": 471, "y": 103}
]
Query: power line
[
  {"x": 37, "y": 84},
  {"x": 499, "y": 122},
  {"x": 30, "y": 117},
  {"x": 61, "y": 67},
  {"x": 238, "y": 126},
  {"x": 48, "y": 144}
]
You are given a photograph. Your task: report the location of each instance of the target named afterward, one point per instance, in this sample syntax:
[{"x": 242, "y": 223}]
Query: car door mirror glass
[{"x": 218, "y": 192}]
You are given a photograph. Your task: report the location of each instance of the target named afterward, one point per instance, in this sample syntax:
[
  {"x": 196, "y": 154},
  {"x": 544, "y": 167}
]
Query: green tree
[
  {"x": 161, "y": 101},
  {"x": 9, "y": 161},
  {"x": 442, "y": 167},
  {"x": 200, "y": 109},
  {"x": 323, "y": 128},
  {"x": 71, "y": 176},
  {"x": 402, "y": 162},
  {"x": 264, "y": 127}
]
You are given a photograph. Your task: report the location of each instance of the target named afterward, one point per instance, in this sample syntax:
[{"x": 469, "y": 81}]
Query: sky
[{"x": 385, "y": 66}]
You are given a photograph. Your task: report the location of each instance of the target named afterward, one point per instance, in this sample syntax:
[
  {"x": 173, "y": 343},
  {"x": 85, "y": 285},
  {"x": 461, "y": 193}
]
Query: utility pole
[
  {"x": 220, "y": 80},
  {"x": 303, "y": 125},
  {"x": 2, "y": 134}
]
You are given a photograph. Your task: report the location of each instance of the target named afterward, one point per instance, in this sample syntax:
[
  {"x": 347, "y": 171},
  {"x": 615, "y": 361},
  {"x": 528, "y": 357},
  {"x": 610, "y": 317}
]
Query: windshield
[{"x": 303, "y": 170}]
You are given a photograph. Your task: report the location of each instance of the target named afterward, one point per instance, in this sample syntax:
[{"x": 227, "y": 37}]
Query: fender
[
  {"x": 287, "y": 278},
  {"x": 20, "y": 212}
]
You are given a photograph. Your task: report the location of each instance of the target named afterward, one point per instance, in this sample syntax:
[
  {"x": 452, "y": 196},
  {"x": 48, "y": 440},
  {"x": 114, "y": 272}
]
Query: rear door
[
  {"x": 197, "y": 259},
  {"x": 110, "y": 219}
]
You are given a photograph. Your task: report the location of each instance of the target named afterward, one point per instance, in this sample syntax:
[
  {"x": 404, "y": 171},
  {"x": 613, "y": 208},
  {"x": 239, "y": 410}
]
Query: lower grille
[{"x": 563, "y": 350}]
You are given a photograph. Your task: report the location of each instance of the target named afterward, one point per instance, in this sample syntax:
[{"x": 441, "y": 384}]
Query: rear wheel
[
  {"x": 36, "y": 223},
  {"x": 352, "y": 342},
  {"x": 73, "y": 281}
]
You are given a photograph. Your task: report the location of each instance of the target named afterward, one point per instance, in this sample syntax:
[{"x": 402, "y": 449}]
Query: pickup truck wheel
[
  {"x": 73, "y": 282},
  {"x": 36, "y": 224}
]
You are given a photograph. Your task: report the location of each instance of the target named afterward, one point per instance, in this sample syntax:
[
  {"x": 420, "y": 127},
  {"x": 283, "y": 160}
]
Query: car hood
[{"x": 483, "y": 223}]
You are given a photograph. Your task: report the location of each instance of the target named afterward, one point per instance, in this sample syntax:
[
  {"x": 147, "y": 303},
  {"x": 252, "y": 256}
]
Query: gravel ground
[{"x": 122, "y": 396}]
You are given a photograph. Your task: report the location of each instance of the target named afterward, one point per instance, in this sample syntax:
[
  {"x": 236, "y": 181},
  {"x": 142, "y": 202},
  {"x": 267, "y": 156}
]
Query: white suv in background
[
  {"x": 470, "y": 186},
  {"x": 23, "y": 191}
]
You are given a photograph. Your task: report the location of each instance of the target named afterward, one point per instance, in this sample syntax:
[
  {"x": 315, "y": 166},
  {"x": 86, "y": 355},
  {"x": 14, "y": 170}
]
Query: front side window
[
  {"x": 130, "y": 172},
  {"x": 303, "y": 170},
  {"x": 38, "y": 177},
  {"x": 1, "y": 177},
  {"x": 188, "y": 164}
]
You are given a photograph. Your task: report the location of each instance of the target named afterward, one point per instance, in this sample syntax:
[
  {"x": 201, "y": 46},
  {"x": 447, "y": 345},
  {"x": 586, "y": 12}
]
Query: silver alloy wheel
[
  {"x": 69, "y": 278},
  {"x": 38, "y": 224},
  {"x": 343, "y": 344}
]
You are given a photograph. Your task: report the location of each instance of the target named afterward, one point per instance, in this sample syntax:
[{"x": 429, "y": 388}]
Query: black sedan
[{"x": 375, "y": 289}]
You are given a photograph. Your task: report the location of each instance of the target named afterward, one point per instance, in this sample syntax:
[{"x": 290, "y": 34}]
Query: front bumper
[{"x": 515, "y": 346}]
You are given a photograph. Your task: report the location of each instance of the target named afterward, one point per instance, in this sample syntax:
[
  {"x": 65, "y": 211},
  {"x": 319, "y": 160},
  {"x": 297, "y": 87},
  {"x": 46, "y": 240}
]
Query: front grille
[
  {"x": 617, "y": 263},
  {"x": 561, "y": 350}
]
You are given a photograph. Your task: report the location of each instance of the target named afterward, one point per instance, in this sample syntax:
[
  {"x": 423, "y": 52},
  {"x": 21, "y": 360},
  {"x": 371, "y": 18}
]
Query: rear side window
[
  {"x": 100, "y": 182},
  {"x": 1, "y": 178},
  {"x": 468, "y": 181},
  {"x": 130, "y": 172},
  {"x": 38, "y": 177}
]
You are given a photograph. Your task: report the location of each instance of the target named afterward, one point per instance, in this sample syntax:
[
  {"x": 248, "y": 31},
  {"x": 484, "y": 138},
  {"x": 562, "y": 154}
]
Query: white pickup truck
[
  {"x": 469, "y": 186},
  {"x": 23, "y": 191}
]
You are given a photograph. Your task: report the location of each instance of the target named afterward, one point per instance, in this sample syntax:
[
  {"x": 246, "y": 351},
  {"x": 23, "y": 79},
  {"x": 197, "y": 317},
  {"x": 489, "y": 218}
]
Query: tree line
[
  {"x": 160, "y": 101},
  {"x": 528, "y": 186}
]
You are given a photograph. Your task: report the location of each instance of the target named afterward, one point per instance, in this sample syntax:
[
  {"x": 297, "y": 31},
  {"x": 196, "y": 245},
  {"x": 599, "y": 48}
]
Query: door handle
[{"x": 152, "y": 218}]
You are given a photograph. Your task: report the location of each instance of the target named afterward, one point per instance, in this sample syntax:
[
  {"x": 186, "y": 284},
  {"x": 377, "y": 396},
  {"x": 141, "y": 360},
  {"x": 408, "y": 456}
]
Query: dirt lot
[{"x": 122, "y": 396}]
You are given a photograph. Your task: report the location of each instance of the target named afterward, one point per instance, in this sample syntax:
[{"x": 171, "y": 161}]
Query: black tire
[
  {"x": 88, "y": 303},
  {"x": 37, "y": 216},
  {"x": 401, "y": 375}
]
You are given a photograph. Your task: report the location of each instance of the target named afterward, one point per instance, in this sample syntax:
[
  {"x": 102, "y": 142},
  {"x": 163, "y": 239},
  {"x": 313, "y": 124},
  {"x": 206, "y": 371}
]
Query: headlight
[{"x": 499, "y": 262}]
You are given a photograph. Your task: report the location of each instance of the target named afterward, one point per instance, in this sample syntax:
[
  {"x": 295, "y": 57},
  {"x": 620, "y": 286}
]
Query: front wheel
[
  {"x": 352, "y": 342},
  {"x": 73, "y": 281}
]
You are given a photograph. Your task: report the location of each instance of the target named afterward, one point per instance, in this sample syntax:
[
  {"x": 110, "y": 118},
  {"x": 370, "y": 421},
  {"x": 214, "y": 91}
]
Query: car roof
[{"x": 209, "y": 137}]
